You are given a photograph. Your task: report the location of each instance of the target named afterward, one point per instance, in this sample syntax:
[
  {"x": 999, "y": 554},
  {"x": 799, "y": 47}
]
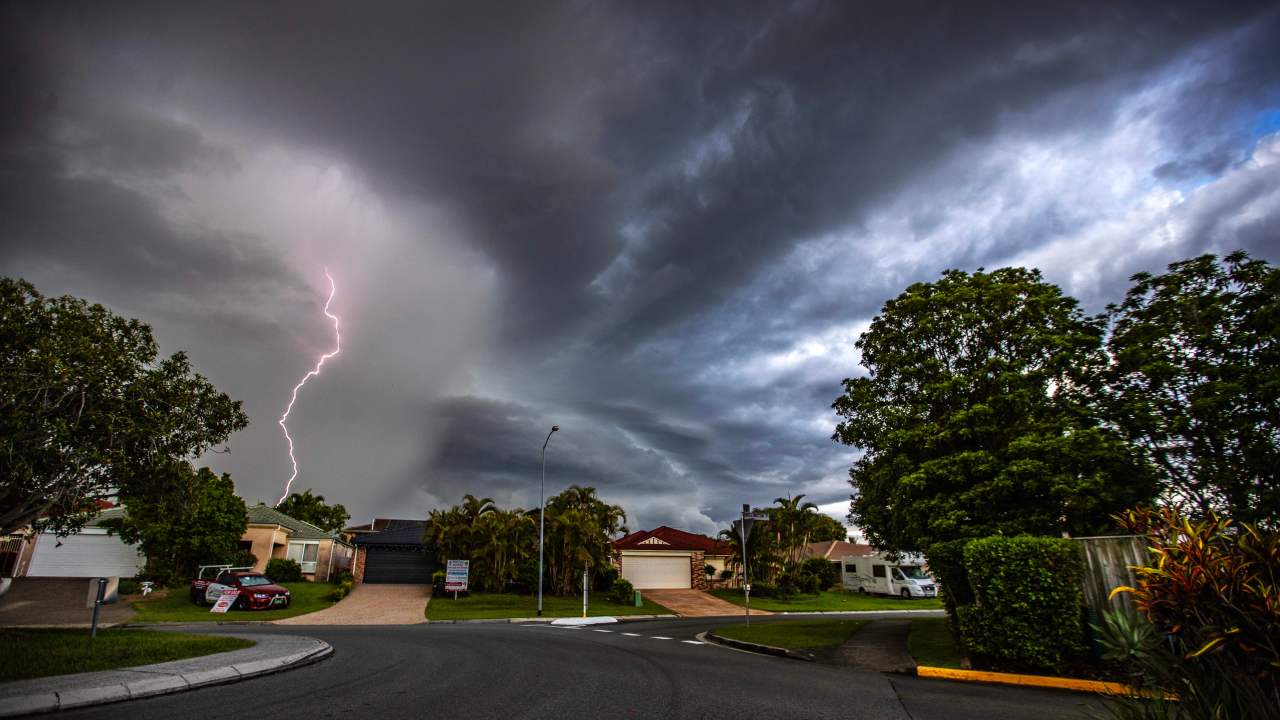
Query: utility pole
[{"x": 542, "y": 513}]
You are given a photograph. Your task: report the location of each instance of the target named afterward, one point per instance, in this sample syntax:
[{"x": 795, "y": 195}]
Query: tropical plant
[{"x": 313, "y": 509}]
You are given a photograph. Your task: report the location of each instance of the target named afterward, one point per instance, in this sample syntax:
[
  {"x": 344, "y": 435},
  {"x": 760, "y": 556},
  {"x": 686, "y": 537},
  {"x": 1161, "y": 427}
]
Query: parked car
[
  {"x": 205, "y": 575},
  {"x": 256, "y": 591}
]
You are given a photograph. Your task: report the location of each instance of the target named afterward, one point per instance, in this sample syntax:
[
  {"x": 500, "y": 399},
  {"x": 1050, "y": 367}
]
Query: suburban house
[
  {"x": 668, "y": 558},
  {"x": 272, "y": 534},
  {"x": 394, "y": 554},
  {"x": 378, "y": 525},
  {"x": 834, "y": 550},
  {"x": 89, "y": 553}
]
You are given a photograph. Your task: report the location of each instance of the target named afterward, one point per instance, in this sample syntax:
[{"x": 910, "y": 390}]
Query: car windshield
[
  {"x": 914, "y": 572},
  {"x": 253, "y": 580}
]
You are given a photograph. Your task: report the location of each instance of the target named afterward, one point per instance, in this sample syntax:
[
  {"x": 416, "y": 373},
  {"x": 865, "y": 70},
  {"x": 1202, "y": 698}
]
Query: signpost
[
  {"x": 225, "y": 600},
  {"x": 455, "y": 576},
  {"x": 744, "y": 532}
]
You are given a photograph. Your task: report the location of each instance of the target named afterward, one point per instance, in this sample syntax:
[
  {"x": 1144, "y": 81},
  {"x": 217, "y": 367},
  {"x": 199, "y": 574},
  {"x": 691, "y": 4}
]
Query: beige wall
[
  {"x": 719, "y": 562},
  {"x": 269, "y": 541}
]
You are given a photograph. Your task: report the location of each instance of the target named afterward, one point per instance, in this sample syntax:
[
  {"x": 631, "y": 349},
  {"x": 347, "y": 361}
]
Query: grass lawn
[
  {"x": 830, "y": 600},
  {"x": 176, "y": 606},
  {"x": 39, "y": 653},
  {"x": 493, "y": 605},
  {"x": 794, "y": 634},
  {"x": 932, "y": 645}
]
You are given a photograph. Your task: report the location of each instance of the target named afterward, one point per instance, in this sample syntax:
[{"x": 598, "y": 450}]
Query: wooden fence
[{"x": 1106, "y": 566}]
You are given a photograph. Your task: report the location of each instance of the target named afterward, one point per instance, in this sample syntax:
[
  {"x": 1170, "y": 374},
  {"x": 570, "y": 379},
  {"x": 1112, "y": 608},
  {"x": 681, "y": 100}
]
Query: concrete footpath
[{"x": 272, "y": 654}]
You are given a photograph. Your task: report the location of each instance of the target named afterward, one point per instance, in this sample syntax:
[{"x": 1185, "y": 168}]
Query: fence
[{"x": 1106, "y": 566}]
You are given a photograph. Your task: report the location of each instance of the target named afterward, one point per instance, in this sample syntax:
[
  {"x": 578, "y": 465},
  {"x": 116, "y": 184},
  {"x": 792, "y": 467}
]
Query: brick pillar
[
  {"x": 357, "y": 567},
  {"x": 698, "y": 578}
]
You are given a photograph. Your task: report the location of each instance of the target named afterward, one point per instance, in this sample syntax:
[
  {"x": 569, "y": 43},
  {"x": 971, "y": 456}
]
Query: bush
[
  {"x": 244, "y": 558},
  {"x": 946, "y": 562},
  {"x": 760, "y": 589},
  {"x": 622, "y": 592},
  {"x": 129, "y": 586},
  {"x": 283, "y": 570},
  {"x": 1027, "y": 599},
  {"x": 709, "y": 570},
  {"x": 345, "y": 577},
  {"x": 1212, "y": 587},
  {"x": 827, "y": 572},
  {"x": 346, "y": 583},
  {"x": 604, "y": 578},
  {"x": 726, "y": 574}
]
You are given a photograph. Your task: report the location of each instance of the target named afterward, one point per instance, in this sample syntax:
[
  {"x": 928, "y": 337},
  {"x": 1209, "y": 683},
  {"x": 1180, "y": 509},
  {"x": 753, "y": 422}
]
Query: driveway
[
  {"x": 56, "y": 601},
  {"x": 375, "y": 604},
  {"x": 695, "y": 603}
]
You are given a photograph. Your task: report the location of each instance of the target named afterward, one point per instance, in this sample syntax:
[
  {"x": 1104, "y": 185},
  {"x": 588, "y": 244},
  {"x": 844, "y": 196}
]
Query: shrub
[
  {"x": 827, "y": 572},
  {"x": 604, "y": 578},
  {"x": 709, "y": 570},
  {"x": 244, "y": 558},
  {"x": 284, "y": 570},
  {"x": 622, "y": 592},
  {"x": 946, "y": 562},
  {"x": 128, "y": 586},
  {"x": 760, "y": 589},
  {"x": 1027, "y": 599},
  {"x": 344, "y": 577},
  {"x": 726, "y": 574},
  {"x": 1212, "y": 587}
]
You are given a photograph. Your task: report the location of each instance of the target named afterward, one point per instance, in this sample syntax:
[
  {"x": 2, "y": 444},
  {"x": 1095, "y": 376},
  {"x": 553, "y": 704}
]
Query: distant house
[
  {"x": 88, "y": 553},
  {"x": 394, "y": 554},
  {"x": 378, "y": 525},
  {"x": 834, "y": 550},
  {"x": 272, "y": 534},
  {"x": 668, "y": 558}
]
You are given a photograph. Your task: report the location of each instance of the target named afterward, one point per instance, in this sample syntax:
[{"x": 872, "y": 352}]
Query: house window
[
  {"x": 877, "y": 571},
  {"x": 305, "y": 554}
]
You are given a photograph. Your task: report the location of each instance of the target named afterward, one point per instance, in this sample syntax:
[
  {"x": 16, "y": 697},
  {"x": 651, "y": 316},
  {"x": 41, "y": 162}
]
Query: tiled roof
[
  {"x": 836, "y": 549},
  {"x": 111, "y": 513},
  {"x": 380, "y": 524},
  {"x": 669, "y": 538},
  {"x": 405, "y": 535},
  {"x": 302, "y": 530}
]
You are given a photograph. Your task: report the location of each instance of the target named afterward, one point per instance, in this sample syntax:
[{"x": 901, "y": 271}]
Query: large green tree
[
  {"x": 969, "y": 419},
  {"x": 1195, "y": 383},
  {"x": 186, "y": 518},
  {"x": 86, "y": 408},
  {"x": 313, "y": 509}
]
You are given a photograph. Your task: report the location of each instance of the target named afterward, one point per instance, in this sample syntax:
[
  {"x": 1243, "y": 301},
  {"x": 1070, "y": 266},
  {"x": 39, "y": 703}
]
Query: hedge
[
  {"x": 1026, "y": 602},
  {"x": 283, "y": 570},
  {"x": 946, "y": 562}
]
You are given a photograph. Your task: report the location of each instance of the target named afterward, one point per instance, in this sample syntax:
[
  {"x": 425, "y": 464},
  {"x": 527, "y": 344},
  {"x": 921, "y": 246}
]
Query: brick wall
[
  {"x": 697, "y": 563},
  {"x": 357, "y": 567}
]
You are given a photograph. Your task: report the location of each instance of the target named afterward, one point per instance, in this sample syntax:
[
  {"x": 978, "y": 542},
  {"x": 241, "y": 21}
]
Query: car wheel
[
  {"x": 906, "y": 594},
  {"x": 241, "y": 603},
  {"x": 862, "y": 590},
  {"x": 199, "y": 600}
]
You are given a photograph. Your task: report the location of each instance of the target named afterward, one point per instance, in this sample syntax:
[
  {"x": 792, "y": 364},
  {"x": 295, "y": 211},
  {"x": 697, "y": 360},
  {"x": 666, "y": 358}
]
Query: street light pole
[
  {"x": 744, "y": 532},
  {"x": 542, "y": 513}
]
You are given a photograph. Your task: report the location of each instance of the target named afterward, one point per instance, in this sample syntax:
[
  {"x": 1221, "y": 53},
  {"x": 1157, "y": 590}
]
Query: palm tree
[{"x": 793, "y": 526}]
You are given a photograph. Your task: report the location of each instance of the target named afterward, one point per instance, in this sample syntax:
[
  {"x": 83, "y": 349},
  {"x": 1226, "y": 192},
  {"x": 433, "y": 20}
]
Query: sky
[{"x": 661, "y": 226}]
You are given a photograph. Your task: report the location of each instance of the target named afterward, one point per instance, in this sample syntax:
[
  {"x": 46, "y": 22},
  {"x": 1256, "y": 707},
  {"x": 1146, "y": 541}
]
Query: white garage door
[
  {"x": 90, "y": 553},
  {"x": 656, "y": 572}
]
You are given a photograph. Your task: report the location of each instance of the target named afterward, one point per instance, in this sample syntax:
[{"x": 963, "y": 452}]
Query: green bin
[{"x": 639, "y": 600}]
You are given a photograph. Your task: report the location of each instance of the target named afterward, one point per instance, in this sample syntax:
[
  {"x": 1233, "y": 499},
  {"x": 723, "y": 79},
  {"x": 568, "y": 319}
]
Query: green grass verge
[
  {"x": 830, "y": 601},
  {"x": 176, "y": 606},
  {"x": 40, "y": 653},
  {"x": 794, "y": 634},
  {"x": 480, "y": 606},
  {"x": 932, "y": 644}
]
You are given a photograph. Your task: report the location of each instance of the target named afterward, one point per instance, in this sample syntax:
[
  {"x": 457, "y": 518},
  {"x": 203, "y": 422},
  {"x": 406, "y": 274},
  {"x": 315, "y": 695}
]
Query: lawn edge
[
  {"x": 513, "y": 620},
  {"x": 758, "y": 648}
]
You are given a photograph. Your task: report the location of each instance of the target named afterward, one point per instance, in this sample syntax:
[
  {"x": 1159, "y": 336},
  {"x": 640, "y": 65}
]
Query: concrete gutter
[
  {"x": 622, "y": 619},
  {"x": 758, "y": 648},
  {"x": 271, "y": 654}
]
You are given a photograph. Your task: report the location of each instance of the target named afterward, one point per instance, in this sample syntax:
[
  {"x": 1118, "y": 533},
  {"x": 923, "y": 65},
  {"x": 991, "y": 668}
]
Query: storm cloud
[{"x": 660, "y": 226}]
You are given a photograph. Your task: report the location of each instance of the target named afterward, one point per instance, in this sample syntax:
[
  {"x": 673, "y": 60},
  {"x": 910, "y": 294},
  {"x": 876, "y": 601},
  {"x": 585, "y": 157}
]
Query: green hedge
[
  {"x": 946, "y": 562},
  {"x": 1025, "y": 613},
  {"x": 283, "y": 570}
]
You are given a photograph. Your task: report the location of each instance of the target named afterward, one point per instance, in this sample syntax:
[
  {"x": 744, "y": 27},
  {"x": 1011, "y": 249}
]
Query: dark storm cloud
[{"x": 683, "y": 207}]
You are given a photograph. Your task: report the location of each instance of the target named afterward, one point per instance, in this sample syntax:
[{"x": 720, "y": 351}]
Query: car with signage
[
  {"x": 205, "y": 575},
  {"x": 255, "y": 590}
]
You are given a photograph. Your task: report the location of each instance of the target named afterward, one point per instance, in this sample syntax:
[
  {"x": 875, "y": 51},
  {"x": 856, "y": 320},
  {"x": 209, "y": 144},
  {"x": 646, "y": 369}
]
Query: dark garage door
[{"x": 398, "y": 564}]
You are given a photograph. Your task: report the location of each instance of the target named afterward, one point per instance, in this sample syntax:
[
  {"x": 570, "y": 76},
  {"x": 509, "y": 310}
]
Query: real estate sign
[
  {"x": 455, "y": 575},
  {"x": 225, "y": 600}
]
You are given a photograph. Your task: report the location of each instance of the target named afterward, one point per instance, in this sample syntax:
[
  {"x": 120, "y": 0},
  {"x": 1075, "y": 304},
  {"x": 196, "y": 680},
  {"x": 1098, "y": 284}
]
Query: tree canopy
[
  {"x": 1195, "y": 383},
  {"x": 969, "y": 417},
  {"x": 86, "y": 407},
  {"x": 185, "y": 519},
  {"x": 313, "y": 509}
]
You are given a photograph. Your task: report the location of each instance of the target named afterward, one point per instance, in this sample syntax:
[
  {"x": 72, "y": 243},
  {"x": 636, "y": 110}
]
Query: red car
[{"x": 257, "y": 592}]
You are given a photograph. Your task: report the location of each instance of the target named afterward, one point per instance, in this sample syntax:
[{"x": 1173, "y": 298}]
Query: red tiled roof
[{"x": 672, "y": 539}]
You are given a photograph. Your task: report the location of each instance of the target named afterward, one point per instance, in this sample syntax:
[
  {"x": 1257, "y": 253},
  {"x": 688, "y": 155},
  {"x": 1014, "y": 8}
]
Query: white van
[{"x": 877, "y": 574}]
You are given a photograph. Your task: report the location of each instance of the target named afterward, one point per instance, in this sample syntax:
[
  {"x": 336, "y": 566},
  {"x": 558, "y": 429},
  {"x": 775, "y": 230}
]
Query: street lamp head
[{"x": 555, "y": 428}]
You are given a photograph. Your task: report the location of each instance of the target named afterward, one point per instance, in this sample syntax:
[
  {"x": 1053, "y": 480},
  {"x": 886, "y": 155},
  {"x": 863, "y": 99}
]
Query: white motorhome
[{"x": 878, "y": 574}]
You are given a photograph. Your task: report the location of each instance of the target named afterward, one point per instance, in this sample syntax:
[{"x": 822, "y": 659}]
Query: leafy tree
[
  {"x": 825, "y": 527},
  {"x": 1195, "y": 383},
  {"x": 579, "y": 534},
  {"x": 86, "y": 408},
  {"x": 191, "y": 518},
  {"x": 970, "y": 419},
  {"x": 313, "y": 509}
]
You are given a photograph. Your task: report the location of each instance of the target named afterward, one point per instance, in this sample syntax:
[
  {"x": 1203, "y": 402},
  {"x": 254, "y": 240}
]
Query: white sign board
[
  {"x": 455, "y": 575},
  {"x": 225, "y": 600}
]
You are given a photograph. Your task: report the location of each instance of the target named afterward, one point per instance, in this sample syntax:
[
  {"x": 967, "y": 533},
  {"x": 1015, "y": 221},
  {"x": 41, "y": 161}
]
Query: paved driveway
[
  {"x": 373, "y": 605},
  {"x": 695, "y": 603},
  {"x": 56, "y": 601}
]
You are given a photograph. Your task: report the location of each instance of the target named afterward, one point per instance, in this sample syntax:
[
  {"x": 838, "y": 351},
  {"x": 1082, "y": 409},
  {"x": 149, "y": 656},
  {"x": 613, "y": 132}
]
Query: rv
[{"x": 878, "y": 574}]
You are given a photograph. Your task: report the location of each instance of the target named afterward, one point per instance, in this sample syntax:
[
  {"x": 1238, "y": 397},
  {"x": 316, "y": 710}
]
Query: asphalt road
[{"x": 650, "y": 669}]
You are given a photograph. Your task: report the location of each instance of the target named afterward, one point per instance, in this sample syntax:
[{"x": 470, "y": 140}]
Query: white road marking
[
  {"x": 659, "y": 637},
  {"x": 693, "y": 642},
  {"x": 631, "y": 634},
  {"x": 599, "y": 630}
]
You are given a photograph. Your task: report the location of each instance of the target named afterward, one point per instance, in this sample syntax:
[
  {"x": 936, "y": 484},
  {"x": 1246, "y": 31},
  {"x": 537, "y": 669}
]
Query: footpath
[{"x": 271, "y": 654}]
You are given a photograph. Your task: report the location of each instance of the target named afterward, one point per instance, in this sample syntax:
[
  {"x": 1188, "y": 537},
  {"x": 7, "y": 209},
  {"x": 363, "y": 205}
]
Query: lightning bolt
[{"x": 337, "y": 347}]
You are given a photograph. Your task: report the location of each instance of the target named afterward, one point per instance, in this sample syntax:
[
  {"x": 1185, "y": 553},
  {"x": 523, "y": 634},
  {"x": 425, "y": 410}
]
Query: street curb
[
  {"x": 1057, "y": 683},
  {"x": 909, "y": 613},
  {"x": 157, "y": 683},
  {"x": 757, "y": 648},
  {"x": 504, "y": 621}
]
